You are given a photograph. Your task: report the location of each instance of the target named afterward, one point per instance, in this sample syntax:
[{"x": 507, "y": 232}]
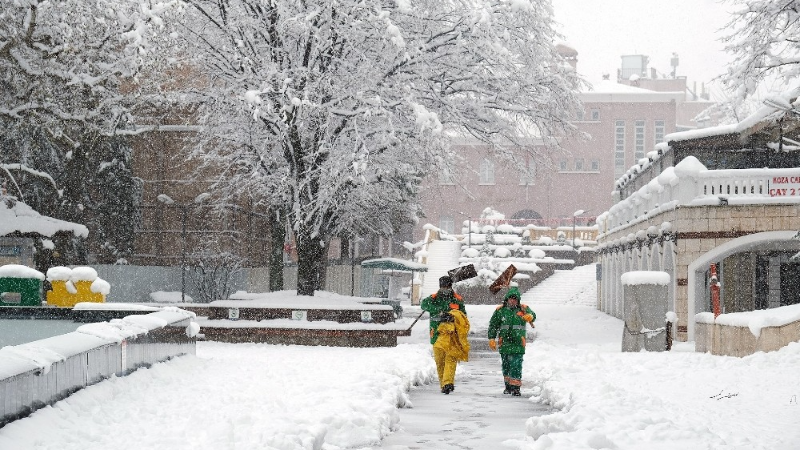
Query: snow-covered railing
[
  {"x": 42, "y": 372},
  {"x": 738, "y": 182},
  {"x": 690, "y": 184}
]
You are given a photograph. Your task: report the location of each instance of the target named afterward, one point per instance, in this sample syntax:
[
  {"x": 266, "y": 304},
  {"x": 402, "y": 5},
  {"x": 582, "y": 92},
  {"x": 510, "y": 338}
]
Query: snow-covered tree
[
  {"x": 335, "y": 110},
  {"x": 763, "y": 41},
  {"x": 62, "y": 62},
  {"x": 64, "y": 68},
  {"x": 91, "y": 184}
]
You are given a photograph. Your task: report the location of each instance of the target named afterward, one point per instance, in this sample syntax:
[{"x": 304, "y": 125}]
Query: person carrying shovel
[
  {"x": 448, "y": 329},
  {"x": 507, "y": 329}
]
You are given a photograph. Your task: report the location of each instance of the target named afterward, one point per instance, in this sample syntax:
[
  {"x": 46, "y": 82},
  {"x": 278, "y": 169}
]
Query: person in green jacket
[
  {"x": 507, "y": 327},
  {"x": 438, "y": 307}
]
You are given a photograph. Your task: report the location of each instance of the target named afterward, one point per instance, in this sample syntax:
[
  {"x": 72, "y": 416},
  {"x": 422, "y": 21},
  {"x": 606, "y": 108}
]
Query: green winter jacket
[
  {"x": 508, "y": 327},
  {"x": 438, "y": 304}
]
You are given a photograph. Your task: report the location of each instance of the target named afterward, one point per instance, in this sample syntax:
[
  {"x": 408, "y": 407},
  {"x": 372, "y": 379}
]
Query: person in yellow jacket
[
  {"x": 448, "y": 316},
  {"x": 451, "y": 347}
]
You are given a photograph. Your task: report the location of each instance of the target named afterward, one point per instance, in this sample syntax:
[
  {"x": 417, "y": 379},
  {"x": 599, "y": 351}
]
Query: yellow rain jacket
[{"x": 453, "y": 336}]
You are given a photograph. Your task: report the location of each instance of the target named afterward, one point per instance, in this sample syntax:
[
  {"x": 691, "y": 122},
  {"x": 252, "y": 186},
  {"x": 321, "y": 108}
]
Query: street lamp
[
  {"x": 574, "y": 218},
  {"x": 167, "y": 200}
]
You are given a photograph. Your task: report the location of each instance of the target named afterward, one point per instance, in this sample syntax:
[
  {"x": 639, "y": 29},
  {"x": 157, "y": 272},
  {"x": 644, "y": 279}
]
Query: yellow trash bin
[{"x": 72, "y": 286}]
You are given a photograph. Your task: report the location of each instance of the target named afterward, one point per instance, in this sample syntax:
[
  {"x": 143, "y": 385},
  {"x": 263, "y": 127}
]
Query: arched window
[{"x": 487, "y": 171}]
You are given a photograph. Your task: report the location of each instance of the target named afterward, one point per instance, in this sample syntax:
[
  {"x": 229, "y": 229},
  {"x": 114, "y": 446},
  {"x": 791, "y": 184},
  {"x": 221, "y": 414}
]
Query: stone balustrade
[{"x": 691, "y": 184}]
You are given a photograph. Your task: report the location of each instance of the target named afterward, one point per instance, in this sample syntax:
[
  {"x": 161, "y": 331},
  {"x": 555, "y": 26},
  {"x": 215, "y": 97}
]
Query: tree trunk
[
  {"x": 311, "y": 262},
  {"x": 277, "y": 234}
]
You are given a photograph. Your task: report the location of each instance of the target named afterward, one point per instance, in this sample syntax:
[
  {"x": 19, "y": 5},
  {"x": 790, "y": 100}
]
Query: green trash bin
[{"x": 20, "y": 286}]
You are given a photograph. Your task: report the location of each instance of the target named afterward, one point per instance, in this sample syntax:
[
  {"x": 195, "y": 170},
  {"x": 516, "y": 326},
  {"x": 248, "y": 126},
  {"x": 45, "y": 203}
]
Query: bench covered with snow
[{"x": 286, "y": 318}]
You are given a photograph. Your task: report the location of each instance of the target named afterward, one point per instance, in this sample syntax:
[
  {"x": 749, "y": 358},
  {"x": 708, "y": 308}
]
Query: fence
[{"x": 43, "y": 372}]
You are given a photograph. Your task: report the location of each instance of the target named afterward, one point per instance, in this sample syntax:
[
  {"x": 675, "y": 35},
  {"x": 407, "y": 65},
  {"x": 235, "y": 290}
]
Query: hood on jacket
[{"x": 512, "y": 292}]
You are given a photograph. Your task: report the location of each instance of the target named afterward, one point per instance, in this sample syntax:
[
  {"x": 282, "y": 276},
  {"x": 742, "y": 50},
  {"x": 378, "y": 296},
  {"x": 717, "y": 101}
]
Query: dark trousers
[{"x": 512, "y": 369}]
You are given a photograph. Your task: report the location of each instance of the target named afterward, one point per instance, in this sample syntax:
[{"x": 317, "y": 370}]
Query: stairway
[
  {"x": 565, "y": 287},
  {"x": 442, "y": 256}
]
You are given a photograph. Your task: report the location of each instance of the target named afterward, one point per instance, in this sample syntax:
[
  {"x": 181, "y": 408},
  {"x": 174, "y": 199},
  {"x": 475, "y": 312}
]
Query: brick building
[
  {"x": 623, "y": 120},
  {"x": 725, "y": 195}
]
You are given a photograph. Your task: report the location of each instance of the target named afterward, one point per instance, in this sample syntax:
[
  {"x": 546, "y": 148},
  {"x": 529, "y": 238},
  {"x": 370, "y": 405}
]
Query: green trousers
[{"x": 512, "y": 369}]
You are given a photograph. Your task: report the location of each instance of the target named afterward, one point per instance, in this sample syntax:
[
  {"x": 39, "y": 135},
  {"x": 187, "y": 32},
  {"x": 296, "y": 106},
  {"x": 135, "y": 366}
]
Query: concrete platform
[
  {"x": 76, "y": 315},
  {"x": 304, "y": 336}
]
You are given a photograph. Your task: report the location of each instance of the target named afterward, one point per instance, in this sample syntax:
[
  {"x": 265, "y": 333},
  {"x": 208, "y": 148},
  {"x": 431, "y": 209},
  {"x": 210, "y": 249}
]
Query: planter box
[{"x": 728, "y": 340}]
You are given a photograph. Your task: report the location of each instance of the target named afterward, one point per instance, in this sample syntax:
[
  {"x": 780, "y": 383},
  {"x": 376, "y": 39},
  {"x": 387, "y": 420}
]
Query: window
[
  {"x": 487, "y": 171},
  {"x": 446, "y": 177},
  {"x": 619, "y": 148},
  {"x": 659, "y": 129},
  {"x": 527, "y": 176},
  {"x": 595, "y": 165},
  {"x": 639, "y": 136},
  {"x": 562, "y": 166},
  {"x": 580, "y": 116},
  {"x": 446, "y": 223},
  {"x": 595, "y": 115},
  {"x": 579, "y": 164}
]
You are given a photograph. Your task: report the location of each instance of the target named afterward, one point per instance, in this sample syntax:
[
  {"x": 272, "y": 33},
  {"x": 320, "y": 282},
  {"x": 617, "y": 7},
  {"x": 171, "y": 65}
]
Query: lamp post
[
  {"x": 167, "y": 200},
  {"x": 574, "y": 218}
]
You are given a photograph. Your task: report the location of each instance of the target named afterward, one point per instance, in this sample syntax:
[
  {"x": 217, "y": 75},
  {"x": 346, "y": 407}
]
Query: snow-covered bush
[
  {"x": 536, "y": 253},
  {"x": 502, "y": 252},
  {"x": 506, "y": 228}
]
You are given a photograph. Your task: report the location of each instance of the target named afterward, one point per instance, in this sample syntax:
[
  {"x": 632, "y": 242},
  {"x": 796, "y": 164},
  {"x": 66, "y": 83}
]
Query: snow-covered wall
[{"x": 42, "y": 372}]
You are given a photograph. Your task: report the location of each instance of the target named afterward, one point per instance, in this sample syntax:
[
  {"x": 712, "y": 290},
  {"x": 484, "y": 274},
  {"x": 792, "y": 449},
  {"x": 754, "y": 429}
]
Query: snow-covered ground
[{"x": 247, "y": 396}]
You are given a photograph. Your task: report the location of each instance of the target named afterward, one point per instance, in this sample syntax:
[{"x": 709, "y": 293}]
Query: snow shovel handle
[{"x": 415, "y": 320}]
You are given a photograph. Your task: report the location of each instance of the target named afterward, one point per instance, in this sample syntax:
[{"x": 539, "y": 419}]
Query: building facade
[
  {"x": 620, "y": 123},
  {"x": 707, "y": 197}
]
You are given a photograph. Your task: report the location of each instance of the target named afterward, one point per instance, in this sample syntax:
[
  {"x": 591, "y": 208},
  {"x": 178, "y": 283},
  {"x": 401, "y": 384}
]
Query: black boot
[
  {"x": 447, "y": 388},
  {"x": 515, "y": 391},
  {"x": 507, "y": 390}
]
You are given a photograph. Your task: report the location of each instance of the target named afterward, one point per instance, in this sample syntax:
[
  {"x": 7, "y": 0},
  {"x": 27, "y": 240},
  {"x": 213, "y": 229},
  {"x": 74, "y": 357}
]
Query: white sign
[
  {"x": 784, "y": 186},
  {"x": 366, "y": 316},
  {"x": 11, "y": 297},
  {"x": 233, "y": 313},
  {"x": 300, "y": 315}
]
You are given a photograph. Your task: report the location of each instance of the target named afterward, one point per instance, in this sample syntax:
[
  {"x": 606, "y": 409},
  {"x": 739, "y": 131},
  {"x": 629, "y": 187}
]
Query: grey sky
[{"x": 603, "y": 30}]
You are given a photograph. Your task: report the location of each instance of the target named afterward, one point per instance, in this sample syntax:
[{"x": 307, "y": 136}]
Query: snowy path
[
  {"x": 584, "y": 395},
  {"x": 476, "y": 416}
]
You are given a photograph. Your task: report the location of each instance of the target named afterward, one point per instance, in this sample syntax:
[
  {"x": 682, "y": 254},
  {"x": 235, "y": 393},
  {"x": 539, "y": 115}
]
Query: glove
[
  {"x": 527, "y": 318},
  {"x": 493, "y": 344}
]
